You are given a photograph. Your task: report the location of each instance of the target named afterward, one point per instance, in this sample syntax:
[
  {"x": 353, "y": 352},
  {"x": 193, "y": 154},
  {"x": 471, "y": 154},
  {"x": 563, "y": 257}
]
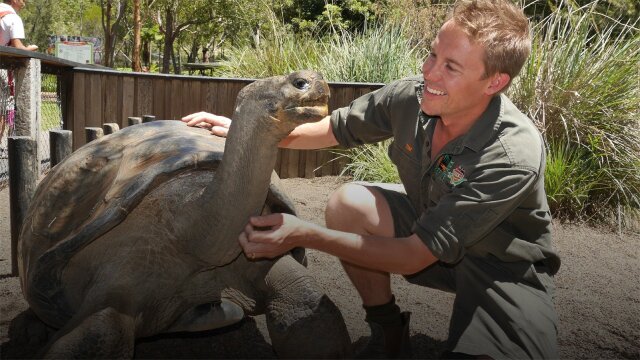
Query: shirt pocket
[{"x": 437, "y": 189}]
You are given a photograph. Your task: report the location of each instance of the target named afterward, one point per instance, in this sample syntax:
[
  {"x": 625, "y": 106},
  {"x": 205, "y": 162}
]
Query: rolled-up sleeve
[
  {"x": 466, "y": 214},
  {"x": 368, "y": 119}
]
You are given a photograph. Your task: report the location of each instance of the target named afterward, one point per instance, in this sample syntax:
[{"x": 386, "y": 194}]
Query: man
[{"x": 474, "y": 219}]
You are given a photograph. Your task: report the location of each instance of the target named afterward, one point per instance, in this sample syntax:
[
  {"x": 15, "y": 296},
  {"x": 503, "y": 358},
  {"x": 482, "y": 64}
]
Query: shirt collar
[{"x": 486, "y": 126}]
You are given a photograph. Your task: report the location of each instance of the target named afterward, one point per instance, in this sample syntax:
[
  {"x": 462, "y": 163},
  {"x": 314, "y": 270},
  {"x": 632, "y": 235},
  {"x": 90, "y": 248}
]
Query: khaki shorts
[{"x": 503, "y": 310}]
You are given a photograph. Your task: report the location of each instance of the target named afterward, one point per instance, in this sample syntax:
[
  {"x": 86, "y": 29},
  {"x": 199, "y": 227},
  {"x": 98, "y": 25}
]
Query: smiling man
[{"x": 471, "y": 217}]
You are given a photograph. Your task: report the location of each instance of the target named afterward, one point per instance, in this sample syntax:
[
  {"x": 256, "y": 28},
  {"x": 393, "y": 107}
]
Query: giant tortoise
[{"x": 135, "y": 234}]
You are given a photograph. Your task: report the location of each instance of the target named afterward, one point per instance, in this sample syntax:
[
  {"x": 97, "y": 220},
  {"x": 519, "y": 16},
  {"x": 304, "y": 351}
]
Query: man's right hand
[{"x": 219, "y": 125}]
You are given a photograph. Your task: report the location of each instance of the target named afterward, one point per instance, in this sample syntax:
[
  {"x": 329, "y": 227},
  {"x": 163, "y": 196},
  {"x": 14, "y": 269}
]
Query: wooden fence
[{"x": 96, "y": 97}]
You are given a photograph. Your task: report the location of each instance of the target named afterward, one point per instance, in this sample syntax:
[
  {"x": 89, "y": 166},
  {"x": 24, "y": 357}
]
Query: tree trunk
[
  {"x": 106, "y": 27},
  {"x": 137, "y": 26},
  {"x": 205, "y": 54},
  {"x": 176, "y": 62},
  {"x": 168, "y": 41},
  {"x": 110, "y": 26},
  {"x": 146, "y": 54}
]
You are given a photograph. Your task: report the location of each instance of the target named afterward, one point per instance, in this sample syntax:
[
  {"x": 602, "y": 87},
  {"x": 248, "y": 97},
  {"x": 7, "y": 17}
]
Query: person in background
[
  {"x": 472, "y": 217},
  {"x": 11, "y": 27},
  {"x": 11, "y": 34}
]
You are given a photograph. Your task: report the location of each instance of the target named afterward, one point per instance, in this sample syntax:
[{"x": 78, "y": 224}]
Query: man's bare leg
[{"x": 364, "y": 210}]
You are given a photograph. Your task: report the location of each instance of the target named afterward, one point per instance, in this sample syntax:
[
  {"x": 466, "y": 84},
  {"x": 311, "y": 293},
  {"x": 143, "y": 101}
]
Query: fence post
[
  {"x": 24, "y": 172},
  {"x": 60, "y": 145},
  {"x": 133, "y": 120},
  {"x": 148, "y": 118},
  {"x": 27, "y": 95},
  {"x": 110, "y": 128},
  {"x": 93, "y": 133}
]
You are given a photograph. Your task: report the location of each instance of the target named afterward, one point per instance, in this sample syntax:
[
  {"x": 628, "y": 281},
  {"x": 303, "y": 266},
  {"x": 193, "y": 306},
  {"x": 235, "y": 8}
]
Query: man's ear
[{"x": 498, "y": 82}]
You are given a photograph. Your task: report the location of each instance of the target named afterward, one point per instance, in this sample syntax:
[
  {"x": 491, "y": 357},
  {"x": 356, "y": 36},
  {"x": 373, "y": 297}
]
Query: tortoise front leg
[
  {"x": 302, "y": 321},
  {"x": 103, "y": 334}
]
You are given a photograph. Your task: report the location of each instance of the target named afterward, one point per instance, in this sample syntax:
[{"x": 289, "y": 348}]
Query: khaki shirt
[{"x": 483, "y": 195}]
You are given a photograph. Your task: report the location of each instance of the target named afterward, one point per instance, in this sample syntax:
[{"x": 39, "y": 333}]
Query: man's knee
[
  {"x": 359, "y": 209},
  {"x": 347, "y": 207}
]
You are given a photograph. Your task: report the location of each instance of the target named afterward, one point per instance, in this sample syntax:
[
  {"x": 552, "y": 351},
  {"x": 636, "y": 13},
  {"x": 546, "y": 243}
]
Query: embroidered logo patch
[
  {"x": 457, "y": 176},
  {"x": 446, "y": 171}
]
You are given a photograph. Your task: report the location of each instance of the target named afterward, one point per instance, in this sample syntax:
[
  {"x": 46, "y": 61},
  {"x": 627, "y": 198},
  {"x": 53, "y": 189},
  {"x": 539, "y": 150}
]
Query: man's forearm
[
  {"x": 310, "y": 136},
  {"x": 394, "y": 255}
]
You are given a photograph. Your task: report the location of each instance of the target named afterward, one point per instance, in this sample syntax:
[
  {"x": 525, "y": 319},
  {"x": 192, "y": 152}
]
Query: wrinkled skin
[{"x": 135, "y": 234}]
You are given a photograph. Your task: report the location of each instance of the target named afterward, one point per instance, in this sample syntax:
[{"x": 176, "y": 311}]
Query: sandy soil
[{"x": 597, "y": 298}]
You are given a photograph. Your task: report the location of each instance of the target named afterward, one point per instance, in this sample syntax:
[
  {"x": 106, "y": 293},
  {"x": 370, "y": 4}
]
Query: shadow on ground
[{"x": 28, "y": 336}]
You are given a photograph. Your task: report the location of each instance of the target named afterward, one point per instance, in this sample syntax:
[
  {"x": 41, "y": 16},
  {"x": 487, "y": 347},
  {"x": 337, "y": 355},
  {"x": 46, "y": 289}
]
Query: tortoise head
[{"x": 284, "y": 102}]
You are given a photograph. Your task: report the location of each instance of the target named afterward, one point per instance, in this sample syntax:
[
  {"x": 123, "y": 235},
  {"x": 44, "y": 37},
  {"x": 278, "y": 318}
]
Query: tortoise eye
[{"x": 301, "y": 84}]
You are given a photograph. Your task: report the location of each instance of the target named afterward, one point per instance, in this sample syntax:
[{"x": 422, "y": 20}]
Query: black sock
[{"x": 386, "y": 314}]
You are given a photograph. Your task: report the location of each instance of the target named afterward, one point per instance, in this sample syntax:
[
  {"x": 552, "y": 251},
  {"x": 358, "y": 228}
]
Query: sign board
[
  {"x": 78, "y": 52},
  {"x": 86, "y": 50}
]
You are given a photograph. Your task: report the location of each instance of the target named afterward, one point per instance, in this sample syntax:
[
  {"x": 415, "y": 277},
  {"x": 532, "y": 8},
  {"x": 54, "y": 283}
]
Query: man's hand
[
  {"x": 219, "y": 125},
  {"x": 273, "y": 235}
]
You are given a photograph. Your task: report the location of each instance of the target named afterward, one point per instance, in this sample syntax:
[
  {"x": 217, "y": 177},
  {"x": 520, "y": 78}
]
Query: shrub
[{"x": 580, "y": 86}]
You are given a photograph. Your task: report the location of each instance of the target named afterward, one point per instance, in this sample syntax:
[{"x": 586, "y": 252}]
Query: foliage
[
  {"x": 318, "y": 17},
  {"x": 280, "y": 54},
  {"x": 63, "y": 17},
  {"x": 420, "y": 22},
  {"x": 51, "y": 116},
  {"x": 380, "y": 54},
  {"x": 580, "y": 85},
  {"x": 623, "y": 11},
  {"x": 570, "y": 177},
  {"x": 370, "y": 163}
]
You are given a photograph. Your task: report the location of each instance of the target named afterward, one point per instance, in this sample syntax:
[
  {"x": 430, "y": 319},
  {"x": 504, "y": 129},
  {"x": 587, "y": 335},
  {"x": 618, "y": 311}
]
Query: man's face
[{"x": 454, "y": 77}]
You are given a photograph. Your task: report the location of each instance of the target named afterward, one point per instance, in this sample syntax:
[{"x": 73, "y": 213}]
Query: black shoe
[{"x": 388, "y": 342}]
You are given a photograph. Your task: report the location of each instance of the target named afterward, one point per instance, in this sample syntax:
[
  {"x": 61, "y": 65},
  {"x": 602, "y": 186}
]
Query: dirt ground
[{"x": 597, "y": 298}]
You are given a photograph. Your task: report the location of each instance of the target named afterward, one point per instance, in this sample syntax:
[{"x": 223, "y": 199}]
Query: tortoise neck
[{"x": 240, "y": 188}]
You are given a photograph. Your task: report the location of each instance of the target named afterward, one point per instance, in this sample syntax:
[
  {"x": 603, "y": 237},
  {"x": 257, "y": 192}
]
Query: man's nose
[{"x": 430, "y": 72}]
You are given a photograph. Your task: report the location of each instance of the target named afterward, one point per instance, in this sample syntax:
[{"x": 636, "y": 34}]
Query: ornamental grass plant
[
  {"x": 379, "y": 54},
  {"x": 581, "y": 87},
  {"x": 279, "y": 53},
  {"x": 370, "y": 163}
]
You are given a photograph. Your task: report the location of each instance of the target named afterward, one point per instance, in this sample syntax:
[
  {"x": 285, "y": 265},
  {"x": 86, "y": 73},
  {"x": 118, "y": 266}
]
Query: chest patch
[{"x": 448, "y": 172}]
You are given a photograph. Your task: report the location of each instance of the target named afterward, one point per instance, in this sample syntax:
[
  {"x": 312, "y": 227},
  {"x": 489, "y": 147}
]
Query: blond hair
[{"x": 501, "y": 28}]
